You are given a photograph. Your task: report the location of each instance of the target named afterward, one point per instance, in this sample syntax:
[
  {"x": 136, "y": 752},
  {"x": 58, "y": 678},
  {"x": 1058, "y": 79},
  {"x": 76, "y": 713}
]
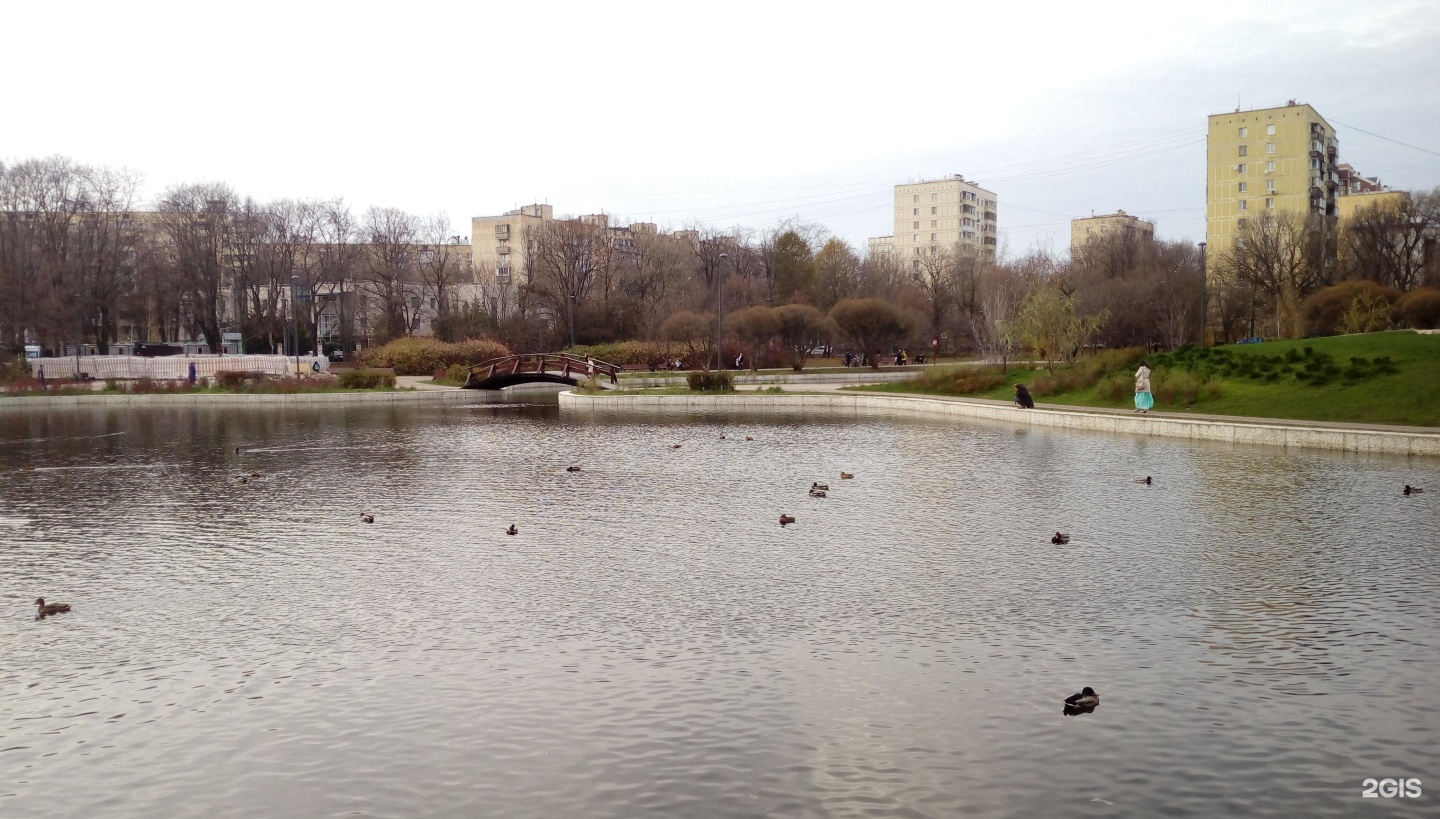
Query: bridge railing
[{"x": 562, "y": 364}]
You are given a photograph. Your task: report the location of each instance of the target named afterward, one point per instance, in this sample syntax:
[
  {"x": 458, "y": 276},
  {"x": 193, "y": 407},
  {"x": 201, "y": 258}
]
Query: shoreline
[{"x": 1425, "y": 441}]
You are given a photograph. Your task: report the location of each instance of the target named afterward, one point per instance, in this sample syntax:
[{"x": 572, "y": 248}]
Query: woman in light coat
[{"x": 1143, "y": 399}]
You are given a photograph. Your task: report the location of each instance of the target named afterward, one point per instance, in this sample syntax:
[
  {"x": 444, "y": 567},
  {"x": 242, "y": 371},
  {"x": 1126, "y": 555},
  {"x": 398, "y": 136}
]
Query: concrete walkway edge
[{"x": 1268, "y": 432}]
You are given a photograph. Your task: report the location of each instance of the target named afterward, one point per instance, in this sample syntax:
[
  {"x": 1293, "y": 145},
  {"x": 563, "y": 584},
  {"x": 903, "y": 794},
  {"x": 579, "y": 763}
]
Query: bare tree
[
  {"x": 389, "y": 270},
  {"x": 1388, "y": 242},
  {"x": 1280, "y": 258},
  {"x": 197, "y": 222}
]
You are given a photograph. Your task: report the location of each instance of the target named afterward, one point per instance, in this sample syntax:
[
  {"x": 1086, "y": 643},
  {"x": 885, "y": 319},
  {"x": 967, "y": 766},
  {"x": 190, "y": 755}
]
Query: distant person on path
[
  {"x": 41, "y": 375},
  {"x": 1143, "y": 399},
  {"x": 1022, "y": 397},
  {"x": 192, "y": 373}
]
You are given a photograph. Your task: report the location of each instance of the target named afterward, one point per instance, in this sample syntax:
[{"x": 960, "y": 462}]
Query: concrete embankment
[{"x": 1268, "y": 432}]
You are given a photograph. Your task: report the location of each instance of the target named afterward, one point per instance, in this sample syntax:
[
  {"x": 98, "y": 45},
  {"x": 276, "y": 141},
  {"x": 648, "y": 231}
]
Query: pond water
[{"x": 1261, "y": 624}]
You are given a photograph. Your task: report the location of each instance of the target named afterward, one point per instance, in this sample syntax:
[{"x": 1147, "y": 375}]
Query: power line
[{"x": 1388, "y": 139}]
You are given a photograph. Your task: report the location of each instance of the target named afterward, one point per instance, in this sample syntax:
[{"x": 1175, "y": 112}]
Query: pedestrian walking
[
  {"x": 41, "y": 375},
  {"x": 1144, "y": 400},
  {"x": 192, "y": 373}
]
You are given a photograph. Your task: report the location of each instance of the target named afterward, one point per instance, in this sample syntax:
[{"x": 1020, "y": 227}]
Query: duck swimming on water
[
  {"x": 1059, "y": 539},
  {"x": 512, "y": 530},
  {"x": 572, "y": 469},
  {"x": 824, "y": 487},
  {"x": 845, "y": 476},
  {"x": 784, "y": 519},
  {"x": 1410, "y": 490},
  {"x": 1087, "y": 698},
  {"x": 364, "y": 518},
  {"x": 51, "y": 608},
  {"x": 1145, "y": 480}
]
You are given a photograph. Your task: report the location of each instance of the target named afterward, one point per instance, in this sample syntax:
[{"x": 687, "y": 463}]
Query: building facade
[
  {"x": 939, "y": 215},
  {"x": 1119, "y": 223},
  {"x": 1267, "y": 161}
]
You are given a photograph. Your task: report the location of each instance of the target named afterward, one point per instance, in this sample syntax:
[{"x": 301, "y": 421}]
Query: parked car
[{"x": 337, "y": 354}]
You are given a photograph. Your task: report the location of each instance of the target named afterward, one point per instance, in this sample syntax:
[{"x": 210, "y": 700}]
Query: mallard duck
[
  {"x": 572, "y": 469},
  {"x": 1145, "y": 480},
  {"x": 816, "y": 493},
  {"x": 748, "y": 438},
  {"x": 51, "y": 608},
  {"x": 1059, "y": 539},
  {"x": 784, "y": 519},
  {"x": 254, "y": 474},
  {"x": 845, "y": 476},
  {"x": 364, "y": 518},
  {"x": 674, "y": 446},
  {"x": 1087, "y": 698},
  {"x": 237, "y": 450},
  {"x": 822, "y": 486},
  {"x": 1411, "y": 490},
  {"x": 512, "y": 530}
]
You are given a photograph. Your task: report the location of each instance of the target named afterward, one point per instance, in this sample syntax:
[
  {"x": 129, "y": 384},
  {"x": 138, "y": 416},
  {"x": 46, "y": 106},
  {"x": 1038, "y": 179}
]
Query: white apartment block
[{"x": 938, "y": 215}]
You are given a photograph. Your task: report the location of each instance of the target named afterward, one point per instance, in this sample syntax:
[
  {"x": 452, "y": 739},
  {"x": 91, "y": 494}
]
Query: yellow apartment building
[
  {"x": 1347, "y": 205},
  {"x": 1094, "y": 228},
  {"x": 1270, "y": 160}
]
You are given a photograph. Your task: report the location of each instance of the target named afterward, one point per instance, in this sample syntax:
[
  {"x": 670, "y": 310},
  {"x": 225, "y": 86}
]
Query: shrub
[
  {"x": 1177, "y": 387},
  {"x": 1116, "y": 388},
  {"x": 1364, "y": 302},
  {"x": 626, "y": 353},
  {"x": 453, "y": 375},
  {"x": 1420, "y": 308},
  {"x": 367, "y": 379},
  {"x": 236, "y": 379},
  {"x": 957, "y": 380},
  {"x": 704, "y": 381},
  {"x": 423, "y": 356}
]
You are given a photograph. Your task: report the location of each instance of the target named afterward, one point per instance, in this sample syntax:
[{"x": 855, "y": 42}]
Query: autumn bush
[
  {"x": 423, "y": 356},
  {"x": 1334, "y": 309},
  {"x": 367, "y": 379},
  {"x": 706, "y": 381},
  {"x": 1420, "y": 308},
  {"x": 627, "y": 353}
]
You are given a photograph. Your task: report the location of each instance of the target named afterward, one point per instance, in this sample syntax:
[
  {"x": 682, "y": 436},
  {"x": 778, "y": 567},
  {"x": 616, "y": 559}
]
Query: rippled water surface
[{"x": 1262, "y": 625}]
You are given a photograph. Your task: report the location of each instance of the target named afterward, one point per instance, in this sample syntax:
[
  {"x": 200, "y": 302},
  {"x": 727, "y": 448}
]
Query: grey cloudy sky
[{"x": 734, "y": 113}]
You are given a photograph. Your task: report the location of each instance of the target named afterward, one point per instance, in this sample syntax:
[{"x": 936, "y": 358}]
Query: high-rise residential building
[
  {"x": 1119, "y": 223},
  {"x": 880, "y": 245},
  {"x": 1270, "y": 160},
  {"x": 498, "y": 244},
  {"x": 941, "y": 215}
]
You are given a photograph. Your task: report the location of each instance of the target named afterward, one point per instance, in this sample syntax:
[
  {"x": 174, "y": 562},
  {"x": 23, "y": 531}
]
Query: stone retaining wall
[
  {"x": 102, "y": 399},
  {"x": 1268, "y": 433}
]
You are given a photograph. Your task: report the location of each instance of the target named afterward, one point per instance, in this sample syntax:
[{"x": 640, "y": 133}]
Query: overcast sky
[{"x": 731, "y": 113}]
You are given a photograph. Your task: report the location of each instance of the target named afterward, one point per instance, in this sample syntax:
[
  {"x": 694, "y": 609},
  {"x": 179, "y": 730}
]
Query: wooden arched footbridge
[{"x": 539, "y": 368}]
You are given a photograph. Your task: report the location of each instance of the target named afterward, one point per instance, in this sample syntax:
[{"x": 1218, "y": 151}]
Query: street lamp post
[
  {"x": 719, "y": 314},
  {"x": 1204, "y": 292},
  {"x": 295, "y": 318},
  {"x": 572, "y": 320}
]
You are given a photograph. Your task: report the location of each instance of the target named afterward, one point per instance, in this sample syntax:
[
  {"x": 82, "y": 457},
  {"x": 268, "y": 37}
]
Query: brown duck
[{"x": 51, "y": 608}]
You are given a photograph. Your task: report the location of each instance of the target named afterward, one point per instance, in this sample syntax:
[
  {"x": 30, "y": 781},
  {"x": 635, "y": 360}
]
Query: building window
[
  {"x": 915, "y": 212},
  {"x": 1243, "y": 186},
  {"x": 1269, "y": 130},
  {"x": 932, "y": 237},
  {"x": 934, "y": 197},
  {"x": 1269, "y": 203},
  {"x": 934, "y": 223},
  {"x": 1244, "y": 150},
  {"x": 916, "y": 226},
  {"x": 1270, "y": 166},
  {"x": 934, "y": 210},
  {"x": 1239, "y": 223},
  {"x": 1240, "y": 168},
  {"x": 916, "y": 198},
  {"x": 1244, "y": 132},
  {"x": 917, "y": 238},
  {"x": 1269, "y": 147},
  {"x": 1270, "y": 185},
  {"x": 1242, "y": 204}
]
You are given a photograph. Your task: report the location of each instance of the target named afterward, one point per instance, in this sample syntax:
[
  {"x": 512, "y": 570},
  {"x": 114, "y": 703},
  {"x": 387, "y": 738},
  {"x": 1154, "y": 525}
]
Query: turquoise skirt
[{"x": 1144, "y": 400}]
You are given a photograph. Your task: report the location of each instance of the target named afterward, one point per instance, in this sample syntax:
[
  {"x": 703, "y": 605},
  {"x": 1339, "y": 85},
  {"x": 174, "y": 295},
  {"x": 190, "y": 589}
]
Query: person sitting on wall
[{"x": 1022, "y": 397}]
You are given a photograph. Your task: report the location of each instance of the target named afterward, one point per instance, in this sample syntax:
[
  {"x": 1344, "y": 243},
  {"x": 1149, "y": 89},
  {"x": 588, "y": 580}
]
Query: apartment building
[
  {"x": 1119, "y": 223},
  {"x": 877, "y": 246},
  {"x": 1346, "y": 206},
  {"x": 1270, "y": 160},
  {"x": 938, "y": 215}
]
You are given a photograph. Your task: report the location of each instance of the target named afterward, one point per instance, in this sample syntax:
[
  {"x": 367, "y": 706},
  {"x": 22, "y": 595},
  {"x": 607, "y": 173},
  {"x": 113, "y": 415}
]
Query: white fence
[{"x": 173, "y": 367}]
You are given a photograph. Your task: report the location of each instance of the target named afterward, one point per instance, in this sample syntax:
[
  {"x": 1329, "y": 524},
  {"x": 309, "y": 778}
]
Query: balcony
[
  {"x": 967, "y": 208},
  {"x": 502, "y": 232},
  {"x": 989, "y": 215},
  {"x": 503, "y": 250}
]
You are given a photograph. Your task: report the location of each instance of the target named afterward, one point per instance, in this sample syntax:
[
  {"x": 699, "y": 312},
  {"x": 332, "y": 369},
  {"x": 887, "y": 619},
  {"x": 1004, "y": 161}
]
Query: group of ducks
[
  {"x": 817, "y": 490},
  {"x": 1060, "y": 538}
]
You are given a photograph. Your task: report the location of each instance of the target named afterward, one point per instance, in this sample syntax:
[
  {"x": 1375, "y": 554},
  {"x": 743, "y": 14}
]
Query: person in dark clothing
[{"x": 1022, "y": 397}]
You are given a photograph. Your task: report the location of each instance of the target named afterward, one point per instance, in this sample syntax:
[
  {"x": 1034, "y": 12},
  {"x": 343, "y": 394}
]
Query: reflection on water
[{"x": 1263, "y": 624}]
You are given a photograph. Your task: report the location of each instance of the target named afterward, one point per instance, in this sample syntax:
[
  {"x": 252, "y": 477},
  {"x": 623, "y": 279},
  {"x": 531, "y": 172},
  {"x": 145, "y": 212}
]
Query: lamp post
[
  {"x": 572, "y": 320},
  {"x": 719, "y": 314},
  {"x": 295, "y": 318},
  {"x": 1204, "y": 292}
]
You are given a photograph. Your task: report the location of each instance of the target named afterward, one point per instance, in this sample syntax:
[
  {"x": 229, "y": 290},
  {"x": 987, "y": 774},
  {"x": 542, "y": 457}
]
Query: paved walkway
[
  {"x": 419, "y": 382},
  {"x": 1198, "y": 416}
]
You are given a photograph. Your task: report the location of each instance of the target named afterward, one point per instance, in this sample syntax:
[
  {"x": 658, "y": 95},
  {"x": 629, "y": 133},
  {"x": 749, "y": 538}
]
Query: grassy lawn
[{"x": 1241, "y": 379}]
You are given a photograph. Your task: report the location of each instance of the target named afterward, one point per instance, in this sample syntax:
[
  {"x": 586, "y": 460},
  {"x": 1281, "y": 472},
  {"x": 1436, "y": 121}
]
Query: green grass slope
[{"x": 1376, "y": 378}]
